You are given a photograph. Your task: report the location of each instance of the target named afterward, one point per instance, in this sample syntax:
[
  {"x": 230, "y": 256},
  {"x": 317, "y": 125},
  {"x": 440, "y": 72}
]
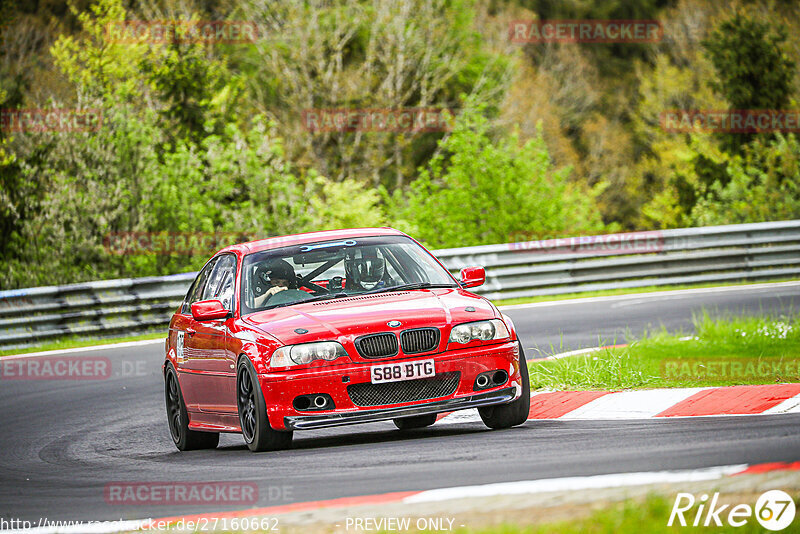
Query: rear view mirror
[
  {"x": 473, "y": 276},
  {"x": 208, "y": 310}
]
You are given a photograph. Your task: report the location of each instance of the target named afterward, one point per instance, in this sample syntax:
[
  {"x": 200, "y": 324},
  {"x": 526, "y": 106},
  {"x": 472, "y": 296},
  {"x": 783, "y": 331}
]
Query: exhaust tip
[
  {"x": 500, "y": 377},
  {"x": 320, "y": 401},
  {"x": 302, "y": 403},
  {"x": 482, "y": 381}
]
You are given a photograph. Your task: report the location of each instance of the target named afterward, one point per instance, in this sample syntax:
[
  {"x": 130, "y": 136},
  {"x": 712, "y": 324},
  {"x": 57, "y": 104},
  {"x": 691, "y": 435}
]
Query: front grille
[
  {"x": 377, "y": 345},
  {"x": 419, "y": 340},
  {"x": 441, "y": 385}
]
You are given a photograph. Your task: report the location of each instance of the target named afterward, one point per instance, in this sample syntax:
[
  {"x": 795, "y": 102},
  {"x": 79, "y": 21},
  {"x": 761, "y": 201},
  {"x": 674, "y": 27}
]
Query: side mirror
[
  {"x": 209, "y": 310},
  {"x": 473, "y": 276}
]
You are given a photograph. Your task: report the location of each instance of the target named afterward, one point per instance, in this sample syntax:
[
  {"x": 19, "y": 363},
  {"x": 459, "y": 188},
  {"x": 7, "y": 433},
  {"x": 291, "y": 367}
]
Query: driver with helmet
[
  {"x": 364, "y": 269},
  {"x": 272, "y": 278}
]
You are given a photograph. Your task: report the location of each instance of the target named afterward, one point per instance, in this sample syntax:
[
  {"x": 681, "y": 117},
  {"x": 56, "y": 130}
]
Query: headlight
[
  {"x": 306, "y": 353},
  {"x": 483, "y": 330}
]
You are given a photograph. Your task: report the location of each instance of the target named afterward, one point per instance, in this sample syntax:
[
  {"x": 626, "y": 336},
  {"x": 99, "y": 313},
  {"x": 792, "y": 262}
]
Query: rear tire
[
  {"x": 257, "y": 433},
  {"x": 417, "y": 421},
  {"x": 178, "y": 418},
  {"x": 516, "y": 412}
]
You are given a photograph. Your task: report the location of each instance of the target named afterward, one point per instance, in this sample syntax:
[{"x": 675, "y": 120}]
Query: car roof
[{"x": 308, "y": 237}]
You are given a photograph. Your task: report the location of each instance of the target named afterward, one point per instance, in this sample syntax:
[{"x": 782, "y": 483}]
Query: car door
[
  {"x": 189, "y": 347},
  {"x": 215, "y": 383}
]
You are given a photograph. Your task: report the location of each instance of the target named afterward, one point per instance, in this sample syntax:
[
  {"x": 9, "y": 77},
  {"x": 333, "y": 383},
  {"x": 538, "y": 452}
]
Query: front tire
[
  {"x": 516, "y": 412},
  {"x": 417, "y": 421},
  {"x": 257, "y": 433},
  {"x": 178, "y": 418}
]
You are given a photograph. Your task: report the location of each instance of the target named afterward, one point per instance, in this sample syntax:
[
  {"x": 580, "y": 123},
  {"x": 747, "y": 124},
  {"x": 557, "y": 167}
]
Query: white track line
[
  {"x": 577, "y": 352},
  {"x": 461, "y": 416},
  {"x": 108, "y": 346},
  {"x": 791, "y": 405},
  {"x": 654, "y": 294},
  {"x": 574, "y": 483}
]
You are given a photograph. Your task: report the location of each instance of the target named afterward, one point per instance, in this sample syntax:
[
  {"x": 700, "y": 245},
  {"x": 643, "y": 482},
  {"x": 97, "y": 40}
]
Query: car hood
[{"x": 367, "y": 314}]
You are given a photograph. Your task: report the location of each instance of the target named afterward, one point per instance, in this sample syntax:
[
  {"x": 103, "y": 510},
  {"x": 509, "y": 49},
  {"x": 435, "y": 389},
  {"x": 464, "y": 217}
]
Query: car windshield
[{"x": 333, "y": 269}]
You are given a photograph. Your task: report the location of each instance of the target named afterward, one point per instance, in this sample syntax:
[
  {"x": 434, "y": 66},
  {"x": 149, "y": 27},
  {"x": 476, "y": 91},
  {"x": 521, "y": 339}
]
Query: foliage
[
  {"x": 366, "y": 55},
  {"x": 152, "y": 169},
  {"x": 757, "y": 350},
  {"x": 753, "y": 71},
  {"x": 763, "y": 184},
  {"x": 740, "y": 64},
  {"x": 346, "y": 204},
  {"x": 480, "y": 191},
  {"x": 209, "y": 137}
]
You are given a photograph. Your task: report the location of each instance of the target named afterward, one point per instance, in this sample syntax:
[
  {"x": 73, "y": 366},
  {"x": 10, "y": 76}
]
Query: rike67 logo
[{"x": 774, "y": 510}]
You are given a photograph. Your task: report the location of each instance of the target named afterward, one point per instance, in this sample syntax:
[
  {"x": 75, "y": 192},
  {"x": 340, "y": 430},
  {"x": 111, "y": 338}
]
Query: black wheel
[
  {"x": 256, "y": 431},
  {"x": 516, "y": 412},
  {"x": 417, "y": 421},
  {"x": 178, "y": 418}
]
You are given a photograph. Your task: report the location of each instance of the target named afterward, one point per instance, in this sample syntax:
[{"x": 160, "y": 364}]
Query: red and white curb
[
  {"x": 525, "y": 487},
  {"x": 655, "y": 403}
]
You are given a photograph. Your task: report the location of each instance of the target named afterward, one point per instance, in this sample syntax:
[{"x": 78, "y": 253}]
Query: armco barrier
[
  {"x": 759, "y": 251},
  {"x": 101, "y": 309}
]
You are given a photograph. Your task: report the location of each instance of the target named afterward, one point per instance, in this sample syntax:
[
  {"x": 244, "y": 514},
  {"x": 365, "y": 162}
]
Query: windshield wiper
[{"x": 407, "y": 287}]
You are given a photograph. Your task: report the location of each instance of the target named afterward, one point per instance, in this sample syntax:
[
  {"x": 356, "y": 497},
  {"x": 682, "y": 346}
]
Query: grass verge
[
  {"x": 74, "y": 342},
  {"x": 628, "y": 291},
  {"x": 628, "y": 517},
  {"x": 723, "y": 352}
]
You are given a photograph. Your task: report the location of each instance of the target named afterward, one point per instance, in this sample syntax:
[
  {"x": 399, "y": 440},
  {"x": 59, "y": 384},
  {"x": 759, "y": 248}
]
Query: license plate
[{"x": 394, "y": 372}]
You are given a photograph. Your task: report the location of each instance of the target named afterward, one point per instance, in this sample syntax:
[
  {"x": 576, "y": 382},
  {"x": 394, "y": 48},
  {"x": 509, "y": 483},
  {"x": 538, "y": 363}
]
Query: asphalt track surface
[{"x": 61, "y": 442}]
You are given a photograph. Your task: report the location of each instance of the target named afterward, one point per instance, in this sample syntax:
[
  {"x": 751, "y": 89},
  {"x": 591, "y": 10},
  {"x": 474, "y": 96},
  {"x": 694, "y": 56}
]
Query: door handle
[{"x": 191, "y": 331}]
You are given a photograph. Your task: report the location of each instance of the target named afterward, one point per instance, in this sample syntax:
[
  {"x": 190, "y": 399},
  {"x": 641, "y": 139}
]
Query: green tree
[
  {"x": 169, "y": 156},
  {"x": 763, "y": 184},
  {"x": 478, "y": 190},
  {"x": 360, "y": 54},
  {"x": 345, "y": 204},
  {"x": 753, "y": 70}
]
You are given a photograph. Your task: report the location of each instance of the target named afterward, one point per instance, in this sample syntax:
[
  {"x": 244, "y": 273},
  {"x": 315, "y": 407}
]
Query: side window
[
  {"x": 220, "y": 283},
  {"x": 196, "y": 292}
]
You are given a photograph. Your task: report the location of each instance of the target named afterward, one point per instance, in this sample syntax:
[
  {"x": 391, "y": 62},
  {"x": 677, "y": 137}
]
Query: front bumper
[
  {"x": 281, "y": 388},
  {"x": 308, "y": 422}
]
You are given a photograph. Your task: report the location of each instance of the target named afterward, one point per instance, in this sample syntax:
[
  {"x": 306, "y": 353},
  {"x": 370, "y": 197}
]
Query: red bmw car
[{"x": 335, "y": 328}]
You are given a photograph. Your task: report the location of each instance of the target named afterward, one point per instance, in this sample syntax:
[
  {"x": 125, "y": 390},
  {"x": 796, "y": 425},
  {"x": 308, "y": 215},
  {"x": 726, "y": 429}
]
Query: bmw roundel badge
[{"x": 394, "y": 324}]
